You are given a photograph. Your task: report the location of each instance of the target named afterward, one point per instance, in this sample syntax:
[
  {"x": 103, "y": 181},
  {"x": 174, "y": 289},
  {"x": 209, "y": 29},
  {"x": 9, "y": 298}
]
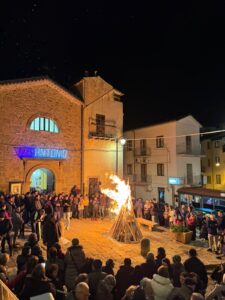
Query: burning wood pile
[{"x": 125, "y": 229}]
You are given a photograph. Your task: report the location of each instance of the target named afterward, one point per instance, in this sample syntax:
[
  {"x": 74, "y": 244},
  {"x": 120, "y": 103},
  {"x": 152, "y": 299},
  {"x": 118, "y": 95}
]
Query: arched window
[{"x": 44, "y": 124}]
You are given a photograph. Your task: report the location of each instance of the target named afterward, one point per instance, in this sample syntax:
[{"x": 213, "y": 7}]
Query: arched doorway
[{"x": 42, "y": 180}]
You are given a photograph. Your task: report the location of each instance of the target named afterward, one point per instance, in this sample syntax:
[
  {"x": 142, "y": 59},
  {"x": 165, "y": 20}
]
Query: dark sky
[{"x": 167, "y": 57}]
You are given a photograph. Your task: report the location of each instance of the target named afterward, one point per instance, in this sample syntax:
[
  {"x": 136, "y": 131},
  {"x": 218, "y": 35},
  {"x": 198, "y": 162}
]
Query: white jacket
[{"x": 161, "y": 286}]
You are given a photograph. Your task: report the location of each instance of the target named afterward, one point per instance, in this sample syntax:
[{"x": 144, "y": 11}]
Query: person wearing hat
[{"x": 74, "y": 261}]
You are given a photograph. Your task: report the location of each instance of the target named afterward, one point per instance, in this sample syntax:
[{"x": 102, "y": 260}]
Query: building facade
[
  {"x": 46, "y": 141},
  {"x": 213, "y": 161},
  {"x": 161, "y": 158}
]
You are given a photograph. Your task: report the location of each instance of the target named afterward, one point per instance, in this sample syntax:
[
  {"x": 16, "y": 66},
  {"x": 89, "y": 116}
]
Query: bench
[{"x": 151, "y": 225}]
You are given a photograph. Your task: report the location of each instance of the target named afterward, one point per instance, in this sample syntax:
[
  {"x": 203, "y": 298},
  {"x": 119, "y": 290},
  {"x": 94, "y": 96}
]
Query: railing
[
  {"x": 196, "y": 181},
  {"x": 184, "y": 151},
  {"x": 142, "y": 151},
  {"x": 108, "y": 130},
  {"x": 6, "y": 293},
  {"x": 138, "y": 178}
]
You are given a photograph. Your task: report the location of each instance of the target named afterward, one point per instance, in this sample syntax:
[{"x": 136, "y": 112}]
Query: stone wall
[{"x": 19, "y": 104}]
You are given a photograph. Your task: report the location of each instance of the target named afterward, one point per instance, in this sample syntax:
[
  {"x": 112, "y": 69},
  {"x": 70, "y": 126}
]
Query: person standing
[
  {"x": 191, "y": 224},
  {"x": 5, "y": 232},
  {"x": 139, "y": 208},
  {"x": 66, "y": 211},
  {"x": 50, "y": 231},
  {"x": 212, "y": 227},
  {"x": 81, "y": 207},
  {"x": 86, "y": 205}
]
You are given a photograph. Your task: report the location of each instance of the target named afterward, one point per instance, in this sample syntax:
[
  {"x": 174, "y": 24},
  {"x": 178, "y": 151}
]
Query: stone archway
[{"x": 53, "y": 170}]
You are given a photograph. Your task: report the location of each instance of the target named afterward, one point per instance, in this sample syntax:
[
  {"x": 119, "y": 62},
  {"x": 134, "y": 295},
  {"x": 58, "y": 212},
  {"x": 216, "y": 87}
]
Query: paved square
[{"x": 93, "y": 235}]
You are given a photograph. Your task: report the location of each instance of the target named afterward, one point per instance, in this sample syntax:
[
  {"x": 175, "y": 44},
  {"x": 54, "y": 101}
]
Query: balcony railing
[
  {"x": 108, "y": 130},
  {"x": 138, "y": 178},
  {"x": 192, "y": 152},
  {"x": 194, "y": 181},
  {"x": 142, "y": 151}
]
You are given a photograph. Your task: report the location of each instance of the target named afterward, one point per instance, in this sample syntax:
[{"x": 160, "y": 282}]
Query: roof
[
  {"x": 202, "y": 192},
  {"x": 165, "y": 122},
  {"x": 40, "y": 79}
]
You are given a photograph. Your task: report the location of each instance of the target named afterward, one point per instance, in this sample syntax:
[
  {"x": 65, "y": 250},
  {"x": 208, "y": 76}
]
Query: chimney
[{"x": 86, "y": 73}]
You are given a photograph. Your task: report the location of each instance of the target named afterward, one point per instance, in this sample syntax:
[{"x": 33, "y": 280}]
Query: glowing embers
[{"x": 125, "y": 229}]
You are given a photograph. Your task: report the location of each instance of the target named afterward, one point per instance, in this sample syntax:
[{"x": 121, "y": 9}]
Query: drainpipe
[{"x": 82, "y": 150}]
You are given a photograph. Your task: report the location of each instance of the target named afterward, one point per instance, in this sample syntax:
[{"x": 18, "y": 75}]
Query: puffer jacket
[{"x": 161, "y": 286}]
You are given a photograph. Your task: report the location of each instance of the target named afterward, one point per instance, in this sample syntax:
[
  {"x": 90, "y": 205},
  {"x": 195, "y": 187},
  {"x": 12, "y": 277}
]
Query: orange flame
[{"x": 121, "y": 194}]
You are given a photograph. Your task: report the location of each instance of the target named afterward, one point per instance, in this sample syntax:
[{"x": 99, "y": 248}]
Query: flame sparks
[{"x": 121, "y": 194}]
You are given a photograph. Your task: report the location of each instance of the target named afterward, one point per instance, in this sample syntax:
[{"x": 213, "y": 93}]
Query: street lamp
[{"x": 122, "y": 142}]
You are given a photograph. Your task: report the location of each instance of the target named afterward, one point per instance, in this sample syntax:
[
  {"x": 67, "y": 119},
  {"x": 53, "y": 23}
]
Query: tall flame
[{"x": 121, "y": 194}]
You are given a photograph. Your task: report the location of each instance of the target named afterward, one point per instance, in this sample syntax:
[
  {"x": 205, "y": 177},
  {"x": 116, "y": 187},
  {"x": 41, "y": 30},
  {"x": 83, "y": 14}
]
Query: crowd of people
[{"x": 73, "y": 276}]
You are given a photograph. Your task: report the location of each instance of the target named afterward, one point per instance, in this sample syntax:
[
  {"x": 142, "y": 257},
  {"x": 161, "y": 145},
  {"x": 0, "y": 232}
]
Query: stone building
[{"x": 52, "y": 138}]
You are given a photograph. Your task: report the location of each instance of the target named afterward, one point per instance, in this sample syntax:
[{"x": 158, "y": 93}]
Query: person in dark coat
[
  {"x": 149, "y": 267},
  {"x": 95, "y": 277},
  {"x": 137, "y": 275},
  {"x": 160, "y": 256},
  {"x": 74, "y": 261},
  {"x": 5, "y": 232},
  {"x": 123, "y": 278},
  {"x": 50, "y": 231},
  {"x": 17, "y": 222},
  {"x": 23, "y": 258},
  {"x": 105, "y": 288},
  {"x": 176, "y": 269},
  {"x": 37, "y": 284},
  {"x": 108, "y": 268},
  {"x": 194, "y": 264}
]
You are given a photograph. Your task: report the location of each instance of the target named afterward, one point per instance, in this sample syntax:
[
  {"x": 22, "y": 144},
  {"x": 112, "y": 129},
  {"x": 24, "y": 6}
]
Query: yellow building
[
  {"x": 103, "y": 128},
  {"x": 213, "y": 162}
]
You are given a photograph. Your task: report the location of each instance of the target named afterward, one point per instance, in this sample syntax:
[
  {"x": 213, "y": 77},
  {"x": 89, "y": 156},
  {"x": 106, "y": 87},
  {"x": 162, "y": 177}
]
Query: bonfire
[{"x": 125, "y": 229}]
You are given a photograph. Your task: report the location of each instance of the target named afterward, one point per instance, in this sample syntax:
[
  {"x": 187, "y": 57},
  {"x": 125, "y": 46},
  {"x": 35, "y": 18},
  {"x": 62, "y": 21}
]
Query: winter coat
[
  {"x": 183, "y": 292},
  {"x": 216, "y": 293},
  {"x": 74, "y": 260},
  {"x": 50, "y": 231},
  {"x": 104, "y": 291},
  {"x": 148, "y": 269},
  {"x": 193, "y": 264},
  {"x": 17, "y": 221},
  {"x": 161, "y": 286},
  {"x": 212, "y": 226},
  {"x": 5, "y": 226},
  {"x": 123, "y": 280},
  {"x": 33, "y": 287},
  {"x": 176, "y": 270},
  {"x": 94, "y": 279}
]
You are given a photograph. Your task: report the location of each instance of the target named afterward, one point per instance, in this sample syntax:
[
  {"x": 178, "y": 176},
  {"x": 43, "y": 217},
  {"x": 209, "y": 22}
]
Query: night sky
[{"x": 167, "y": 57}]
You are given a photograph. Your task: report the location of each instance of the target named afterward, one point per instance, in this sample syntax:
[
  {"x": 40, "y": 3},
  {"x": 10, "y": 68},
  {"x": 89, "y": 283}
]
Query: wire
[{"x": 176, "y": 136}]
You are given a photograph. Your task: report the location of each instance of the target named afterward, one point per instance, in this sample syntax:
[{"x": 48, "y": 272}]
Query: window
[
  {"x": 217, "y": 144},
  {"x": 129, "y": 145},
  {"x": 188, "y": 144},
  {"x": 160, "y": 141},
  {"x": 116, "y": 97},
  {"x": 189, "y": 174},
  {"x": 143, "y": 173},
  {"x": 129, "y": 169},
  {"x": 100, "y": 124},
  {"x": 143, "y": 146},
  {"x": 208, "y": 145},
  {"x": 209, "y": 163},
  {"x": 44, "y": 124},
  {"x": 160, "y": 169},
  {"x": 218, "y": 179},
  {"x": 209, "y": 180},
  {"x": 217, "y": 159}
]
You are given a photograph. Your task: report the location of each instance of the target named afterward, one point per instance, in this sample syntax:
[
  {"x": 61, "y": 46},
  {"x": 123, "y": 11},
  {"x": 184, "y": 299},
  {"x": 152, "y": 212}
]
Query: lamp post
[{"x": 122, "y": 141}]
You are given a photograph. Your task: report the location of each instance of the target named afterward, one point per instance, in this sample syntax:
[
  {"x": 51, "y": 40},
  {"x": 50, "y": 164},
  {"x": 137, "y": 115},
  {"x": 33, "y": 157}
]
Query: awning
[{"x": 202, "y": 192}]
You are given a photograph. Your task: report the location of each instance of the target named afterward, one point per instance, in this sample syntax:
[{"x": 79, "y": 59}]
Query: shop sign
[
  {"x": 43, "y": 153},
  {"x": 175, "y": 180}
]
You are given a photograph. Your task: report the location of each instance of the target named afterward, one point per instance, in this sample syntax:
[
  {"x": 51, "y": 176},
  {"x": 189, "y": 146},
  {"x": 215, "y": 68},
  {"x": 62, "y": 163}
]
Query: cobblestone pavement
[{"x": 94, "y": 237}]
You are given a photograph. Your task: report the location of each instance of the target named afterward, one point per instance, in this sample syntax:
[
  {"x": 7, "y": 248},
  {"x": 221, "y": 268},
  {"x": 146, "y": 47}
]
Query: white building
[{"x": 161, "y": 158}]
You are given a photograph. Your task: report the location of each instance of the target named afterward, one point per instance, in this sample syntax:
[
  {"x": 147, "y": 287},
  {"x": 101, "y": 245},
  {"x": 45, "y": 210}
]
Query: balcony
[
  {"x": 138, "y": 178},
  {"x": 142, "y": 151},
  {"x": 189, "y": 152},
  {"x": 106, "y": 131},
  {"x": 194, "y": 181}
]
